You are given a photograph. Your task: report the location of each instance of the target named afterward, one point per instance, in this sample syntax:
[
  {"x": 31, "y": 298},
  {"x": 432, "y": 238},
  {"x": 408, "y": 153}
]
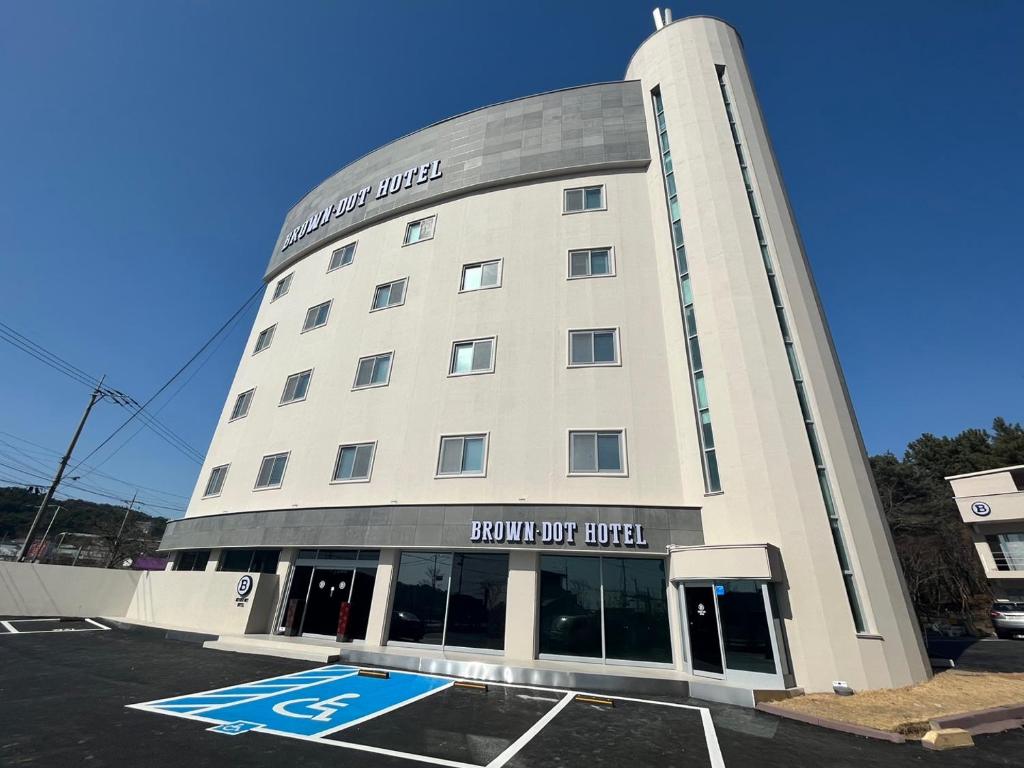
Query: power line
[
  {"x": 42, "y": 448},
  {"x": 59, "y": 364},
  {"x": 168, "y": 383}
]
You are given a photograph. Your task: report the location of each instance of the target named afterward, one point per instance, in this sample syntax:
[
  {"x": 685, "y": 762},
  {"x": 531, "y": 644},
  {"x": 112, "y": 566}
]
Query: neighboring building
[
  {"x": 992, "y": 505},
  {"x": 548, "y": 383}
]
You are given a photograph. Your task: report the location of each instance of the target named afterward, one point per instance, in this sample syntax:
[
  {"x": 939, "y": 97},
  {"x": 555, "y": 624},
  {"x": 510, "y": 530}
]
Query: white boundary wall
[{"x": 185, "y": 599}]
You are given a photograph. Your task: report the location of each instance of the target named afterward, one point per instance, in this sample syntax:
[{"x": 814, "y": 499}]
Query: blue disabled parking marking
[{"x": 306, "y": 704}]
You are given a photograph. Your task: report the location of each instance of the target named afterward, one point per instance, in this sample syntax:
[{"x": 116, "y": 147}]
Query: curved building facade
[{"x": 548, "y": 384}]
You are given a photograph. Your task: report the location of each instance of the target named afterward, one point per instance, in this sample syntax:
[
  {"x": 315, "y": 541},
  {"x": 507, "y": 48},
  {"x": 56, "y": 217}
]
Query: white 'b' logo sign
[
  {"x": 244, "y": 586},
  {"x": 981, "y": 509}
]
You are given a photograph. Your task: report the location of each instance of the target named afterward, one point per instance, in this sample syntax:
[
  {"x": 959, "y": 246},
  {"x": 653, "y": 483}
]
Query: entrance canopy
[{"x": 760, "y": 562}]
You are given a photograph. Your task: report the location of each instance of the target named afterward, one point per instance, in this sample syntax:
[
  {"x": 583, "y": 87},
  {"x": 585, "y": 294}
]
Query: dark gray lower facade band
[{"x": 426, "y": 526}]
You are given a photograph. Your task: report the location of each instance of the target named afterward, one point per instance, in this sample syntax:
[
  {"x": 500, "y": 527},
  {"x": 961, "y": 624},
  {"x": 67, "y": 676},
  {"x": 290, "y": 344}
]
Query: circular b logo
[
  {"x": 244, "y": 586},
  {"x": 981, "y": 509}
]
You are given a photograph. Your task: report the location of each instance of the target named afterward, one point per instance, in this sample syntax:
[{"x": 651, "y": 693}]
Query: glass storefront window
[
  {"x": 629, "y": 624},
  {"x": 745, "y": 632},
  {"x": 636, "y": 610},
  {"x": 476, "y": 602},
  {"x": 470, "y": 587},
  {"x": 570, "y": 606},
  {"x": 251, "y": 560},
  {"x": 418, "y": 610}
]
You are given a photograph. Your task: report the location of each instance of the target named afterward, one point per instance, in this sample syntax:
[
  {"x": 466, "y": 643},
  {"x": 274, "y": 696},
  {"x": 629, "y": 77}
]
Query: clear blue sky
[{"x": 149, "y": 152}]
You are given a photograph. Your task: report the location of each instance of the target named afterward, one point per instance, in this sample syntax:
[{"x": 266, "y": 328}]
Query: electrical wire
[{"x": 171, "y": 380}]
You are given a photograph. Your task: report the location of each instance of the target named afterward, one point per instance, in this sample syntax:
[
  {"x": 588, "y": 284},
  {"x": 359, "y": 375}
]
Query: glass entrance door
[
  {"x": 702, "y": 628},
  {"x": 327, "y": 591}
]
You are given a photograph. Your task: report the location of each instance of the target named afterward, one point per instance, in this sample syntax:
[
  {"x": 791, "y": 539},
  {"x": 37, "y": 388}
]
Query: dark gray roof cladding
[{"x": 579, "y": 130}]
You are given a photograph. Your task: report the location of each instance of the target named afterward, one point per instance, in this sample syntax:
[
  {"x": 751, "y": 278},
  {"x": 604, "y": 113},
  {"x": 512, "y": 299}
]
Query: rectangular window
[
  {"x": 282, "y": 287},
  {"x": 462, "y": 455},
  {"x": 583, "y": 199},
  {"x": 454, "y": 599},
  {"x": 242, "y": 403},
  {"x": 271, "y": 473},
  {"x": 316, "y": 316},
  {"x": 476, "y": 277},
  {"x": 597, "y": 453},
  {"x": 475, "y": 356},
  {"x": 249, "y": 560},
  {"x": 604, "y": 608},
  {"x": 422, "y": 229},
  {"x": 354, "y": 462},
  {"x": 192, "y": 560},
  {"x": 296, "y": 386},
  {"x": 592, "y": 262},
  {"x": 263, "y": 340},
  {"x": 342, "y": 257},
  {"x": 389, "y": 295},
  {"x": 594, "y": 347},
  {"x": 373, "y": 371},
  {"x": 215, "y": 484}
]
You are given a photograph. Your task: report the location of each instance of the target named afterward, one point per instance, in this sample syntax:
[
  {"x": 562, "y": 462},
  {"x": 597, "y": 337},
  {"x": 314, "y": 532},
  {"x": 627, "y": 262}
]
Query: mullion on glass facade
[
  {"x": 838, "y": 537},
  {"x": 712, "y": 480}
]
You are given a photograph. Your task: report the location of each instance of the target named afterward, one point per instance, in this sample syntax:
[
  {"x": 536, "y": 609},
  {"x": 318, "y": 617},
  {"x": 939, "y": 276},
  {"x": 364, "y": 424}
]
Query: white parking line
[
  {"x": 534, "y": 729},
  {"x": 9, "y": 628}
]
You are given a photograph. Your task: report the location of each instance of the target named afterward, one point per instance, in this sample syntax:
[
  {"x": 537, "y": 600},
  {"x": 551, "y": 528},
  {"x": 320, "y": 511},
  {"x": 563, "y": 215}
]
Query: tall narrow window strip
[
  {"x": 828, "y": 498},
  {"x": 709, "y": 455}
]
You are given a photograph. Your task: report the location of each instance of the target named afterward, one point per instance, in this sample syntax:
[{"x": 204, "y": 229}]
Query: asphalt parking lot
[
  {"x": 980, "y": 655},
  {"x": 78, "y": 695}
]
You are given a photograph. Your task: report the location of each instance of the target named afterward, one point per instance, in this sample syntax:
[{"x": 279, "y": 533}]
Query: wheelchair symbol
[{"x": 324, "y": 709}]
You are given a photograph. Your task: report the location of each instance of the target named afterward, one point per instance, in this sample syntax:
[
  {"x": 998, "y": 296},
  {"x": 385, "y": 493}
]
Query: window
[
  {"x": 272, "y": 471},
  {"x": 584, "y": 199},
  {"x": 389, "y": 295},
  {"x": 476, "y": 277},
  {"x": 709, "y": 454},
  {"x": 596, "y": 347},
  {"x": 593, "y": 262},
  {"x": 263, "y": 340},
  {"x": 242, "y": 403},
  {"x": 295, "y": 387},
  {"x": 476, "y": 356},
  {"x": 250, "y": 560},
  {"x": 342, "y": 257},
  {"x": 282, "y": 287},
  {"x": 604, "y": 608},
  {"x": 462, "y": 455},
  {"x": 192, "y": 560},
  {"x": 453, "y": 599},
  {"x": 316, "y": 316},
  {"x": 354, "y": 462},
  {"x": 423, "y": 229},
  {"x": 596, "y": 453},
  {"x": 215, "y": 483},
  {"x": 373, "y": 371}
]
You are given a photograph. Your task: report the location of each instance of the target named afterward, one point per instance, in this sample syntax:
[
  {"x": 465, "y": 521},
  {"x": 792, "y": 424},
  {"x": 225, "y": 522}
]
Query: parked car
[
  {"x": 406, "y": 626},
  {"x": 1008, "y": 619}
]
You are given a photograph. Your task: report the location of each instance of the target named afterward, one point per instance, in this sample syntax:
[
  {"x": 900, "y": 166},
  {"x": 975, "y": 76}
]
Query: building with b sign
[{"x": 547, "y": 385}]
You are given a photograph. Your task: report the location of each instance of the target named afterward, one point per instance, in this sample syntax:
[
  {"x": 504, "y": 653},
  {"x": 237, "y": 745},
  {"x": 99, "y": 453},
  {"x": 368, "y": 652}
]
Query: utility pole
[
  {"x": 117, "y": 540},
  {"x": 97, "y": 395}
]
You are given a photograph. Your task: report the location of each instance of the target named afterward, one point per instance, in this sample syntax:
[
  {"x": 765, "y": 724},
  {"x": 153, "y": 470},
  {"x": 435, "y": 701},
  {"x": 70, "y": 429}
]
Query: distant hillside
[{"x": 18, "y": 506}]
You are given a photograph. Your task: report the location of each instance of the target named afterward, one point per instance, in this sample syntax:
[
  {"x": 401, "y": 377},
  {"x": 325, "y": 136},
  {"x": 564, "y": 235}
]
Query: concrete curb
[
  {"x": 835, "y": 725},
  {"x": 992, "y": 720}
]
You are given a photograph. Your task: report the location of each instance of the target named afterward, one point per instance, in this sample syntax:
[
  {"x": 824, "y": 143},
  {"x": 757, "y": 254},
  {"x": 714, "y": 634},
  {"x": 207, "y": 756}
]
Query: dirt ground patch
[{"x": 908, "y": 710}]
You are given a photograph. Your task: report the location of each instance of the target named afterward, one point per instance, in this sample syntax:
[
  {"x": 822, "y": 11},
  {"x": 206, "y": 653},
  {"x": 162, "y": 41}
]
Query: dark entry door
[
  {"x": 328, "y": 590},
  {"x": 702, "y": 621},
  {"x": 362, "y": 595}
]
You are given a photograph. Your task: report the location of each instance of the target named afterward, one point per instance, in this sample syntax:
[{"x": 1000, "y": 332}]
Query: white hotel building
[{"x": 546, "y": 389}]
